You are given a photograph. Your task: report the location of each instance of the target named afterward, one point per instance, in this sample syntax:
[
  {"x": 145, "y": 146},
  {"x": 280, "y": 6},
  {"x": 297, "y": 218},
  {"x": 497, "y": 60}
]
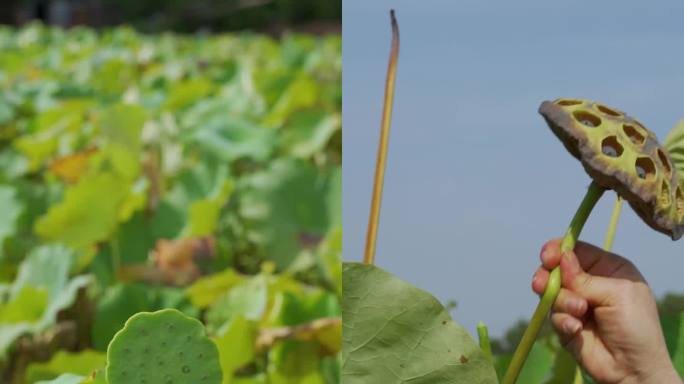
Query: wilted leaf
[
  {"x": 70, "y": 168},
  {"x": 180, "y": 261}
]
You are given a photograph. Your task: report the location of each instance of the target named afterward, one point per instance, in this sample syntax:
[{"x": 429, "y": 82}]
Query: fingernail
[
  {"x": 545, "y": 254},
  {"x": 571, "y": 327},
  {"x": 575, "y": 305}
]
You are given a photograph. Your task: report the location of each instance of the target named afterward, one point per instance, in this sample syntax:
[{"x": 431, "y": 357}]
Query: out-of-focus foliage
[
  {"x": 140, "y": 172},
  {"x": 225, "y": 14}
]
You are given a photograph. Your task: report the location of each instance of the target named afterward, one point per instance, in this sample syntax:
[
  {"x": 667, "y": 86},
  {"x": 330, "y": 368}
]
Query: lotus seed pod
[
  {"x": 619, "y": 153},
  {"x": 163, "y": 347}
]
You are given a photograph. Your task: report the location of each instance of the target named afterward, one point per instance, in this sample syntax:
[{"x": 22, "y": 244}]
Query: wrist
[{"x": 665, "y": 374}]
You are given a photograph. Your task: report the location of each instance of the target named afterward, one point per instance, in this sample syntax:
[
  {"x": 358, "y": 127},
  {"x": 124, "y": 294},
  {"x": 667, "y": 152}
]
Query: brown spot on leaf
[{"x": 463, "y": 359}]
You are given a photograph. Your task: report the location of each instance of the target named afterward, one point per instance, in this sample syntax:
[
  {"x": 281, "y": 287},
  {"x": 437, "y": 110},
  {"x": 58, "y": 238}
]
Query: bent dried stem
[{"x": 371, "y": 235}]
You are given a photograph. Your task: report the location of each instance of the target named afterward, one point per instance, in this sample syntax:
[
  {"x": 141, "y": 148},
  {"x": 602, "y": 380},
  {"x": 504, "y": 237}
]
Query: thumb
[{"x": 597, "y": 290}]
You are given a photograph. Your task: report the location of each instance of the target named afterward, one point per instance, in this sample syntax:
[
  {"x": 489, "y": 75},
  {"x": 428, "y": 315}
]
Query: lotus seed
[{"x": 186, "y": 369}]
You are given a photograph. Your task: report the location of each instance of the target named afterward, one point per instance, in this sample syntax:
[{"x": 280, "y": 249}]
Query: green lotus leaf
[
  {"x": 208, "y": 289},
  {"x": 230, "y": 139},
  {"x": 45, "y": 269},
  {"x": 88, "y": 213},
  {"x": 79, "y": 363},
  {"x": 308, "y": 132},
  {"x": 397, "y": 333},
  {"x": 294, "y": 190},
  {"x": 235, "y": 342}
]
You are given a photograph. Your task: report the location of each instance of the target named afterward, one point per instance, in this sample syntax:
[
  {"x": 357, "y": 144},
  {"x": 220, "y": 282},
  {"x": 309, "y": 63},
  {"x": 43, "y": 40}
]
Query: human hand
[{"x": 606, "y": 316}]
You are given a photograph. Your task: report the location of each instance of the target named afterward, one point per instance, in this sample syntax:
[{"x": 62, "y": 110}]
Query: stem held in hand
[{"x": 553, "y": 286}]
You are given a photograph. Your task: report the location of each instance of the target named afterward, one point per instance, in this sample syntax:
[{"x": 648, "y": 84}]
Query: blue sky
[{"x": 476, "y": 182}]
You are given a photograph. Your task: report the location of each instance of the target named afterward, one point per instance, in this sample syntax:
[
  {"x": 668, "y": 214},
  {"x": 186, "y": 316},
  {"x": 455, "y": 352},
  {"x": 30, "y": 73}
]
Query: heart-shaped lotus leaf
[
  {"x": 396, "y": 333},
  {"x": 619, "y": 153}
]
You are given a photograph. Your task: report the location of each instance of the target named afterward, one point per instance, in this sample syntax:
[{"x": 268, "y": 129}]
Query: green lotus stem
[
  {"x": 553, "y": 286},
  {"x": 607, "y": 246},
  {"x": 610, "y": 234},
  {"x": 485, "y": 346}
]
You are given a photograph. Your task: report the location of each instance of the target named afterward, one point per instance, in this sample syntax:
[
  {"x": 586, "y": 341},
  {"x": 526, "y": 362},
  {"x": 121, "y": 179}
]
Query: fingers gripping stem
[{"x": 553, "y": 286}]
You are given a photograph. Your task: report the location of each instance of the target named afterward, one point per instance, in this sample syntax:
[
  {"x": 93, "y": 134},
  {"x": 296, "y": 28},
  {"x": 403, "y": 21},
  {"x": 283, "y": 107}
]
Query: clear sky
[{"x": 476, "y": 182}]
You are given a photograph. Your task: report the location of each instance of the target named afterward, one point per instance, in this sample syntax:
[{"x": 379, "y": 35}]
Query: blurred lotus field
[{"x": 197, "y": 172}]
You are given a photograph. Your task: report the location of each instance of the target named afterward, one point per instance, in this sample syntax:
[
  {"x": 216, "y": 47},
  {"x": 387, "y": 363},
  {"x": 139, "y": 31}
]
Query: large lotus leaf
[
  {"x": 674, "y": 143},
  {"x": 287, "y": 203},
  {"x": 88, "y": 213},
  {"x": 397, "y": 333}
]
